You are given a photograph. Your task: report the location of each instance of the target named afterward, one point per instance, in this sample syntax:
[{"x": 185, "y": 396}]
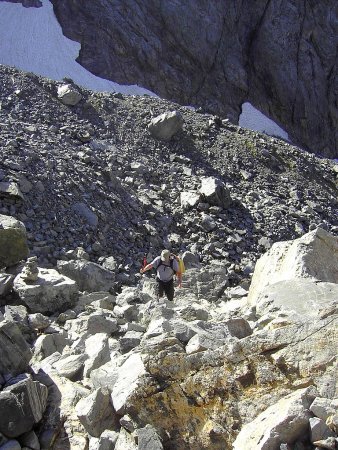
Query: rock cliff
[{"x": 281, "y": 56}]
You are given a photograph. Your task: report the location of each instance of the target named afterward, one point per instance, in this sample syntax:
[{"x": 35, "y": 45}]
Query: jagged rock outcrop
[{"x": 280, "y": 56}]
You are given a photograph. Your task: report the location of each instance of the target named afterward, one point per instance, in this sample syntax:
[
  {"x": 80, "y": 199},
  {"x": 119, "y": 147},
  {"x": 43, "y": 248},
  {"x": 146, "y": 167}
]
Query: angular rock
[
  {"x": 129, "y": 378},
  {"x": 148, "y": 439},
  {"x": 284, "y": 422},
  {"x": 313, "y": 256},
  {"x": 70, "y": 366},
  {"x": 189, "y": 199},
  {"x": 15, "y": 353},
  {"x": 125, "y": 441},
  {"x": 21, "y": 407},
  {"x": 10, "y": 190},
  {"x": 50, "y": 293},
  {"x": 69, "y": 95},
  {"x": 324, "y": 407},
  {"x": 97, "y": 350},
  {"x": 319, "y": 430},
  {"x": 215, "y": 192},
  {"x": 6, "y": 283},
  {"x": 89, "y": 276},
  {"x": 12, "y": 444},
  {"x": 96, "y": 413},
  {"x": 166, "y": 125},
  {"x": 47, "y": 344},
  {"x": 13, "y": 241}
]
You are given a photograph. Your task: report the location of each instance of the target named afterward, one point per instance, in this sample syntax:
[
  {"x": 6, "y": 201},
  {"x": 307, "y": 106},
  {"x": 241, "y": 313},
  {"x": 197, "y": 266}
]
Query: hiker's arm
[
  {"x": 147, "y": 267},
  {"x": 179, "y": 278}
]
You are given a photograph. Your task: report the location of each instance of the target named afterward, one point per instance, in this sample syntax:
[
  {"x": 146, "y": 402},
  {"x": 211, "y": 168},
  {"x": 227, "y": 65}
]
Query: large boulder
[
  {"x": 313, "y": 256},
  {"x": 282, "y": 422},
  {"x": 22, "y": 406},
  {"x": 15, "y": 353},
  {"x": 128, "y": 380},
  {"x": 166, "y": 125},
  {"x": 13, "y": 241},
  {"x": 69, "y": 95},
  {"x": 90, "y": 277},
  {"x": 215, "y": 192},
  {"x": 50, "y": 293}
]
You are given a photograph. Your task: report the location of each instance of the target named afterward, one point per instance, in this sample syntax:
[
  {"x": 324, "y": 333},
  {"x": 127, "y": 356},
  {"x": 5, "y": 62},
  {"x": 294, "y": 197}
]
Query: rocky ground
[{"x": 245, "y": 357}]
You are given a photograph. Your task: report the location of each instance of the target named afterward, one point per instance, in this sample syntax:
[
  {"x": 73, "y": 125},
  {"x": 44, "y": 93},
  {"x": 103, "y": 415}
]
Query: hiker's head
[{"x": 165, "y": 255}]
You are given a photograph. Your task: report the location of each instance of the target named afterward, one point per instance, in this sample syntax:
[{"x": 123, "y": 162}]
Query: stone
[
  {"x": 97, "y": 350},
  {"x": 84, "y": 211},
  {"x": 166, "y": 125},
  {"x": 125, "y": 441},
  {"x": 30, "y": 271},
  {"x": 89, "y": 276},
  {"x": 108, "y": 440},
  {"x": 29, "y": 440},
  {"x": 189, "y": 199},
  {"x": 95, "y": 412},
  {"x": 47, "y": 344},
  {"x": 50, "y": 293},
  {"x": 323, "y": 407},
  {"x": 215, "y": 192},
  {"x": 15, "y": 353},
  {"x": 312, "y": 257},
  {"x": 38, "y": 321},
  {"x": 6, "y": 283},
  {"x": 148, "y": 439},
  {"x": 130, "y": 374},
  {"x": 21, "y": 407},
  {"x": 10, "y": 190},
  {"x": 104, "y": 376},
  {"x": 13, "y": 241},
  {"x": 70, "y": 366},
  {"x": 319, "y": 430},
  {"x": 69, "y": 95},
  {"x": 12, "y": 444},
  {"x": 283, "y": 422}
]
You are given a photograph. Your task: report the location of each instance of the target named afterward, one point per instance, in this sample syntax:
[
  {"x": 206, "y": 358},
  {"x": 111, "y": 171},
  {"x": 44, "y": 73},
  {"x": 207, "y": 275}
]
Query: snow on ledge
[{"x": 253, "y": 119}]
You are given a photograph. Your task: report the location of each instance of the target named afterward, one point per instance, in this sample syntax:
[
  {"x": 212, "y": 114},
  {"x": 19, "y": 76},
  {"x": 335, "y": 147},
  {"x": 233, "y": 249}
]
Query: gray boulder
[
  {"x": 313, "y": 256},
  {"x": 215, "y": 192},
  {"x": 95, "y": 412},
  {"x": 21, "y": 407},
  {"x": 6, "y": 283},
  {"x": 148, "y": 439},
  {"x": 283, "y": 422},
  {"x": 13, "y": 241},
  {"x": 69, "y": 95},
  {"x": 89, "y": 276},
  {"x": 50, "y": 293},
  {"x": 166, "y": 125},
  {"x": 15, "y": 353}
]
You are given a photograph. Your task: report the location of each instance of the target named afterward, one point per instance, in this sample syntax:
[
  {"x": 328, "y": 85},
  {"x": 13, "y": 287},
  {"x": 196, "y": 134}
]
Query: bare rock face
[{"x": 278, "y": 55}]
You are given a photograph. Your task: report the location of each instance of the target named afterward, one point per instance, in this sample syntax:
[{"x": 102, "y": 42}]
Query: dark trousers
[{"x": 167, "y": 288}]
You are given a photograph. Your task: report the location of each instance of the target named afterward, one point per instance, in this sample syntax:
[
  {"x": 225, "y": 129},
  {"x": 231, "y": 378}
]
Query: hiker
[{"x": 166, "y": 266}]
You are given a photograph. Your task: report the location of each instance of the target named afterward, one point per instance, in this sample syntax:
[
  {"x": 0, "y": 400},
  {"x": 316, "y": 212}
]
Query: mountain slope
[{"x": 100, "y": 154}]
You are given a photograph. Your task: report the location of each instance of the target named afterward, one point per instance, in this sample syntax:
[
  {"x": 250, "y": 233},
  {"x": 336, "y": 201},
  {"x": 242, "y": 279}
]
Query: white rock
[
  {"x": 50, "y": 293},
  {"x": 282, "y": 422},
  {"x": 129, "y": 377}
]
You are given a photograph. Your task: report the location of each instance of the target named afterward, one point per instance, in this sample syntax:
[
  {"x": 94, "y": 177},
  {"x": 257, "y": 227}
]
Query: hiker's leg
[
  {"x": 169, "y": 290},
  {"x": 160, "y": 289}
]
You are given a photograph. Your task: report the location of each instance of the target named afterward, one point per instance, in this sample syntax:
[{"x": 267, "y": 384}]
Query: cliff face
[{"x": 278, "y": 55}]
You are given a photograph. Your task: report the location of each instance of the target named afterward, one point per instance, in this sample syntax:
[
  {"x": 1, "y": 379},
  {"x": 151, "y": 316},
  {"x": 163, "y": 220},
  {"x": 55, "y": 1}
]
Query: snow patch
[
  {"x": 253, "y": 119},
  {"x": 31, "y": 39}
]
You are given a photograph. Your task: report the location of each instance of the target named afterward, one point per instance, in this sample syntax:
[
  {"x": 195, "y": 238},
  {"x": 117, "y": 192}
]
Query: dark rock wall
[{"x": 278, "y": 54}]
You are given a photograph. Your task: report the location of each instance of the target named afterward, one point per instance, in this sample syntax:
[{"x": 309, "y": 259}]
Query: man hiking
[{"x": 166, "y": 267}]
